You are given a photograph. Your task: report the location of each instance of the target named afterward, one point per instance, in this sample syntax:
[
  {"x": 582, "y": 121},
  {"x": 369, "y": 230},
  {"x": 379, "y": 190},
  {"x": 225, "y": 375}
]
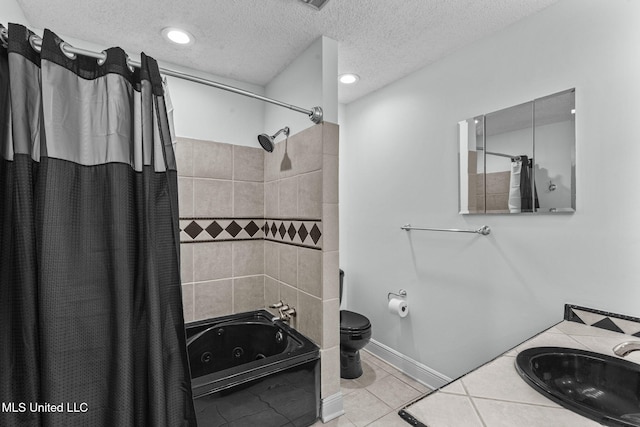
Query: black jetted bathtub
[{"x": 249, "y": 371}]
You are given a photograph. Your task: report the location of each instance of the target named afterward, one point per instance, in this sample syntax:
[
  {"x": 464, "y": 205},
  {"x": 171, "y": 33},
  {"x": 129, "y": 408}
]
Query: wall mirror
[{"x": 520, "y": 159}]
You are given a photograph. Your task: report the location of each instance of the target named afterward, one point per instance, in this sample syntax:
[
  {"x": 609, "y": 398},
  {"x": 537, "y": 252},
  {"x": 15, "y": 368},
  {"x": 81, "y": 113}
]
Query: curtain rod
[
  {"x": 315, "y": 114},
  {"x": 503, "y": 155},
  {"x": 499, "y": 154}
]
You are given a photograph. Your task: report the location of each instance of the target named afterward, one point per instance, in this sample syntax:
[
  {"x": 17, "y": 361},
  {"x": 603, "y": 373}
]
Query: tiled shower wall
[
  {"x": 497, "y": 189},
  {"x": 301, "y": 183},
  {"x": 262, "y": 227},
  {"x": 221, "y": 190}
]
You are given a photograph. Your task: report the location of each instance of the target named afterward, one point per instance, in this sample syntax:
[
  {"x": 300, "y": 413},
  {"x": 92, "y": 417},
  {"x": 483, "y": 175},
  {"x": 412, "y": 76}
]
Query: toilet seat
[{"x": 351, "y": 322}]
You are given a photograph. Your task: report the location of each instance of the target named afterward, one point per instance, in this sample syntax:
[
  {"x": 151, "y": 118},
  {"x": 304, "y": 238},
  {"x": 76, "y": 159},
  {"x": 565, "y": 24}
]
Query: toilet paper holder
[{"x": 401, "y": 293}]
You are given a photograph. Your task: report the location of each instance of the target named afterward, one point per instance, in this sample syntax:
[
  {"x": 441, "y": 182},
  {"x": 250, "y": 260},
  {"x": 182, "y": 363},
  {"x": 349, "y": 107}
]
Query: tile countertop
[{"x": 494, "y": 395}]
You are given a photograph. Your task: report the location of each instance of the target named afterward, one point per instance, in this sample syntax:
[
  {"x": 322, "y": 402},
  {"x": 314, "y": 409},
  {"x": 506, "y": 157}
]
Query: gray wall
[{"x": 472, "y": 297}]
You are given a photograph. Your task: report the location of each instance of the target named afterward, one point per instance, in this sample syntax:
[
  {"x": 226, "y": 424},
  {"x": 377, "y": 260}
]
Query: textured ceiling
[{"x": 253, "y": 40}]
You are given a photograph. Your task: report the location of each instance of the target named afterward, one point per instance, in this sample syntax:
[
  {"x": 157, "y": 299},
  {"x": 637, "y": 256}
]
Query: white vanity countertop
[{"x": 494, "y": 395}]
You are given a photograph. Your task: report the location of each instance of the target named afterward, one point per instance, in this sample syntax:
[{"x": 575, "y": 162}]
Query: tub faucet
[
  {"x": 626, "y": 347},
  {"x": 285, "y": 312}
]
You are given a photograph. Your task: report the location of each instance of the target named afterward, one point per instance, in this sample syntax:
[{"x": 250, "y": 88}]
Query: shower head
[{"x": 268, "y": 142}]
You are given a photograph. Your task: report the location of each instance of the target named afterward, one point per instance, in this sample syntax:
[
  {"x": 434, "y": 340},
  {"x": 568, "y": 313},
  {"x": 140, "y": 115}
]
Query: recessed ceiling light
[
  {"x": 573, "y": 111},
  {"x": 316, "y": 4},
  {"x": 348, "y": 78},
  {"x": 178, "y": 36}
]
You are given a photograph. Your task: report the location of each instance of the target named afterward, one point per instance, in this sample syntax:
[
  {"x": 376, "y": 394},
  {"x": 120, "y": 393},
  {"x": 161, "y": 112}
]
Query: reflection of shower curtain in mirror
[
  {"x": 515, "y": 198},
  {"x": 520, "y": 198}
]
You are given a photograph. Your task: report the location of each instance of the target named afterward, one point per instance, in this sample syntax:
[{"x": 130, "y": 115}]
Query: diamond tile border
[
  {"x": 194, "y": 230},
  {"x": 297, "y": 232},
  {"x": 305, "y": 233},
  {"x": 603, "y": 319}
]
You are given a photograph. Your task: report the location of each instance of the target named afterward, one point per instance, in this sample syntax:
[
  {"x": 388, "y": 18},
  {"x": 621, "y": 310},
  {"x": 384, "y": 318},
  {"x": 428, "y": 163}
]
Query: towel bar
[{"x": 484, "y": 230}]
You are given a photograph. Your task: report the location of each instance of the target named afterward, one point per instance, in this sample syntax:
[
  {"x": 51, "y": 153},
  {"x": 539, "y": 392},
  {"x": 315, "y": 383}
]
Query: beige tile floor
[{"x": 375, "y": 398}]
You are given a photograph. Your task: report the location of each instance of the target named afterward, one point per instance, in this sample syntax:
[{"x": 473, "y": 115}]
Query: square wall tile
[
  {"x": 272, "y": 162},
  {"x": 288, "y": 264},
  {"x": 305, "y": 151},
  {"x": 288, "y": 198},
  {"x": 331, "y": 275},
  {"x": 248, "y": 293},
  {"x": 330, "y": 179},
  {"x": 480, "y": 178},
  {"x": 472, "y": 165},
  {"x": 248, "y": 163},
  {"x": 310, "y": 195},
  {"x": 212, "y": 160},
  {"x": 272, "y": 259},
  {"x": 498, "y": 202},
  {"x": 472, "y": 197},
  {"x": 248, "y": 199},
  {"x": 480, "y": 203},
  {"x": 310, "y": 271},
  {"x": 187, "y": 302},
  {"x": 498, "y": 182},
  {"x": 330, "y": 138},
  {"x": 212, "y": 299},
  {"x": 184, "y": 157},
  {"x": 289, "y": 295},
  {"x": 271, "y": 199},
  {"x": 186, "y": 263},
  {"x": 248, "y": 258},
  {"x": 330, "y": 323},
  {"x": 185, "y": 197},
  {"x": 212, "y": 198},
  {"x": 330, "y": 371},
  {"x": 211, "y": 261},
  {"x": 309, "y": 317},
  {"x": 271, "y": 293},
  {"x": 330, "y": 230}
]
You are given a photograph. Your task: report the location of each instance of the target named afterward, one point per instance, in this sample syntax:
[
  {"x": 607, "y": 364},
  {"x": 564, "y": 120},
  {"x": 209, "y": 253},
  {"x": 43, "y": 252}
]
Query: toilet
[{"x": 355, "y": 333}]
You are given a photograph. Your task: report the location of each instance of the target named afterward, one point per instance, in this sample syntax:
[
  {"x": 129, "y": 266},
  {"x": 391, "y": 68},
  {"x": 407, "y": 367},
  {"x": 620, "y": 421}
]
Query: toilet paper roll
[{"x": 399, "y": 307}]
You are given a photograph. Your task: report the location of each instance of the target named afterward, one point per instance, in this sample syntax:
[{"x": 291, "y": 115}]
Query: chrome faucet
[
  {"x": 626, "y": 347},
  {"x": 285, "y": 312}
]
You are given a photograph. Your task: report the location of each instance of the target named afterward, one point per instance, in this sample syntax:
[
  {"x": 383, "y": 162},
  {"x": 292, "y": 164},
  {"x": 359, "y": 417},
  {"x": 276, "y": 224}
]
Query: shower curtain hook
[
  {"x": 35, "y": 42},
  {"x": 63, "y": 48},
  {"x": 4, "y": 36},
  {"x": 102, "y": 60}
]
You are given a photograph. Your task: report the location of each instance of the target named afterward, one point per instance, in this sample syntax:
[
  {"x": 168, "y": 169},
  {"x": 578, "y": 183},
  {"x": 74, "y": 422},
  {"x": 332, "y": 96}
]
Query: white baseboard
[
  {"x": 422, "y": 373},
  {"x": 331, "y": 407}
]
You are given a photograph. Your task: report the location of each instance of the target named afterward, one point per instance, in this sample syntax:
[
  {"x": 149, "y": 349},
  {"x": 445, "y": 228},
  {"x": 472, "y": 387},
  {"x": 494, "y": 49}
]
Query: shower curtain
[
  {"x": 515, "y": 196},
  {"x": 91, "y": 324},
  {"x": 527, "y": 186},
  {"x": 520, "y": 185}
]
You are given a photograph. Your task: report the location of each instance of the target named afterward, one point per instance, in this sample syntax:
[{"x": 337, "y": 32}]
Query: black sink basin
[{"x": 603, "y": 388}]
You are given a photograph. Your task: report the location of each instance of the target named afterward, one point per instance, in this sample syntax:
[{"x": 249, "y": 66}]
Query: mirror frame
[{"x": 469, "y": 182}]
